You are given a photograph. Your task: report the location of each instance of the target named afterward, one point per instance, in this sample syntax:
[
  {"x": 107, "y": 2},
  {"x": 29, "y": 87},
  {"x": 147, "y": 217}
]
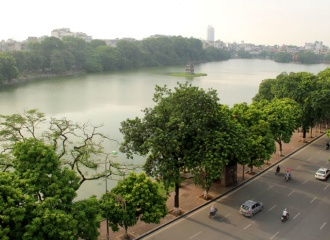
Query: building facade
[{"x": 210, "y": 34}]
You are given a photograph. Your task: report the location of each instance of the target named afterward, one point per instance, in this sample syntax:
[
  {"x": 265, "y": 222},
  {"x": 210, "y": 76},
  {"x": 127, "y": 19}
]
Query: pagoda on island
[{"x": 190, "y": 69}]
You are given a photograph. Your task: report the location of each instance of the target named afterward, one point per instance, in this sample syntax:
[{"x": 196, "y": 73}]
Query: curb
[{"x": 224, "y": 194}]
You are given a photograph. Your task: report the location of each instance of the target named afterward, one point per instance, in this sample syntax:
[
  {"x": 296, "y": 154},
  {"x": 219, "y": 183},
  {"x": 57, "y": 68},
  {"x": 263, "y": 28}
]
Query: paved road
[{"x": 306, "y": 198}]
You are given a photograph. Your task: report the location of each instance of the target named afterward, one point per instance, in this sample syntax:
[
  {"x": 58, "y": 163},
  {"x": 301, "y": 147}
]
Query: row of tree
[
  {"x": 189, "y": 130},
  {"x": 37, "y": 199},
  {"x": 44, "y": 161},
  {"x": 56, "y": 56},
  {"x": 286, "y": 57}
]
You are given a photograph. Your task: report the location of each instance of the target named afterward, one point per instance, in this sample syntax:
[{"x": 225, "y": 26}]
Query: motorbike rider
[
  {"x": 285, "y": 213},
  {"x": 213, "y": 211},
  {"x": 278, "y": 169},
  {"x": 287, "y": 175},
  {"x": 327, "y": 144}
]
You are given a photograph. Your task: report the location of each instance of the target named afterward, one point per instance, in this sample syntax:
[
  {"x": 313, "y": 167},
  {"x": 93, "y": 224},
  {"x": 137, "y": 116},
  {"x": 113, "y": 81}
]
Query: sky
[{"x": 267, "y": 22}]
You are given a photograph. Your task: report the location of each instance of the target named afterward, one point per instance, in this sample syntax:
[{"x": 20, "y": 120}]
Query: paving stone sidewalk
[{"x": 190, "y": 195}]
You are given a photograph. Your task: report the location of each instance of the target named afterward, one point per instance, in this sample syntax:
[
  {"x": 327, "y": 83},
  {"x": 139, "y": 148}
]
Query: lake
[{"x": 110, "y": 98}]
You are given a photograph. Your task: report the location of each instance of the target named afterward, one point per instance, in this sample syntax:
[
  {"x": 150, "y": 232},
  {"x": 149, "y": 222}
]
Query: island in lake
[{"x": 190, "y": 72}]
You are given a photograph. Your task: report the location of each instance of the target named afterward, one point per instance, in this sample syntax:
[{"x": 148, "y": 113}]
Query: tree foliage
[
  {"x": 187, "y": 129},
  {"x": 53, "y": 55},
  {"x": 258, "y": 141},
  {"x": 134, "y": 198},
  {"x": 39, "y": 200},
  {"x": 78, "y": 146}
]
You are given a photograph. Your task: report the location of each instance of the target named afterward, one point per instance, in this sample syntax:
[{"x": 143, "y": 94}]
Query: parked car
[
  {"x": 322, "y": 174},
  {"x": 249, "y": 208}
]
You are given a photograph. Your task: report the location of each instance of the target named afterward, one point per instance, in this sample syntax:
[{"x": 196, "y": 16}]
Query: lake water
[{"x": 110, "y": 98}]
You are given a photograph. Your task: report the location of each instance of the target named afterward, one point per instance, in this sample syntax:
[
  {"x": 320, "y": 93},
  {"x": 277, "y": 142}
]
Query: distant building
[
  {"x": 210, "y": 34},
  {"x": 63, "y": 32}
]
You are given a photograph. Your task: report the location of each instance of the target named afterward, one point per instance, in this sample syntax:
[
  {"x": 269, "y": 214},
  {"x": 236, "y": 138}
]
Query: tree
[
  {"x": 8, "y": 69},
  {"x": 183, "y": 131},
  {"x": 134, "y": 198},
  {"x": 39, "y": 200},
  {"x": 218, "y": 144},
  {"x": 78, "y": 146},
  {"x": 284, "y": 116},
  {"x": 11, "y": 214},
  {"x": 283, "y": 57},
  {"x": 259, "y": 142}
]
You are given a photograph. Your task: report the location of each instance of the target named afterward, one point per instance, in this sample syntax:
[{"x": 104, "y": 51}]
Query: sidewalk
[{"x": 190, "y": 194}]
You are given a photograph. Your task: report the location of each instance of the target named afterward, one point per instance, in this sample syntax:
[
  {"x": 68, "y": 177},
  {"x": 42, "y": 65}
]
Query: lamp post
[{"x": 106, "y": 185}]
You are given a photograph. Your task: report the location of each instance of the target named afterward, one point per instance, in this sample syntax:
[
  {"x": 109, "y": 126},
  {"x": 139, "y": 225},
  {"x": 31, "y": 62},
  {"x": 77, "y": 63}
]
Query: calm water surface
[{"x": 110, "y": 98}]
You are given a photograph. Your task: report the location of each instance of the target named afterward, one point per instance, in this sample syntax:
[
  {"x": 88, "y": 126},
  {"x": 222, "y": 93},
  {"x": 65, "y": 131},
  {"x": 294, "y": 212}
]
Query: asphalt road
[{"x": 306, "y": 198}]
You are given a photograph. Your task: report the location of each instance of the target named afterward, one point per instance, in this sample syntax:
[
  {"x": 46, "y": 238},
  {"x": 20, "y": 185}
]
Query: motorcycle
[
  {"x": 284, "y": 218},
  {"x": 287, "y": 178},
  {"x": 213, "y": 214},
  {"x": 277, "y": 171}
]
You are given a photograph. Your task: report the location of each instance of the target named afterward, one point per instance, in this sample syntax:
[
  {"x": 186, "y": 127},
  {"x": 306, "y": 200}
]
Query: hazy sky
[{"x": 266, "y": 22}]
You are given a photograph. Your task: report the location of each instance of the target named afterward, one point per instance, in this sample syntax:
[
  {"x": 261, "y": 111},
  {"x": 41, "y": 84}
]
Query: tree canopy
[
  {"x": 37, "y": 198},
  {"x": 136, "y": 197}
]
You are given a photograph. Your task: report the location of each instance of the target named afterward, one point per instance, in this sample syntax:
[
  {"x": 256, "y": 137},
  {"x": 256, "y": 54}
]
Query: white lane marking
[
  {"x": 195, "y": 235},
  {"x": 305, "y": 181},
  {"x": 313, "y": 200},
  {"x": 225, "y": 216},
  {"x": 323, "y": 225},
  {"x": 326, "y": 187},
  {"x": 247, "y": 226},
  {"x": 274, "y": 235},
  {"x": 291, "y": 193},
  {"x": 272, "y": 208},
  {"x": 296, "y": 215},
  {"x": 298, "y": 166},
  {"x": 309, "y": 159},
  {"x": 270, "y": 187}
]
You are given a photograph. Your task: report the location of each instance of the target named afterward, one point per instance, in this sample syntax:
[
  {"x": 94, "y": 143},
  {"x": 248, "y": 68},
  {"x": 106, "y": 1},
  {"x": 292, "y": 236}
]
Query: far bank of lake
[{"x": 110, "y": 98}]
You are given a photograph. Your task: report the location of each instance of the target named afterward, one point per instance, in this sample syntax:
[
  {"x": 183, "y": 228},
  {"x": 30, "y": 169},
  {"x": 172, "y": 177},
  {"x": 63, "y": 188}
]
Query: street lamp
[{"x": 114, "y": 153}]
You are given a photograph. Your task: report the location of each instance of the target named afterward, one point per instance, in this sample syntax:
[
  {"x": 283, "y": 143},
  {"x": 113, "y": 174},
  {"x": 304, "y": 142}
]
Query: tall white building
[{"x": 210, "y": 34}]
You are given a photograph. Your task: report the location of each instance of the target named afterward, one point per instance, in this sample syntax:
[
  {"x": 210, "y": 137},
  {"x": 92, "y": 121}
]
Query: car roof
[
  {"x": 322, "y": 169},
  {"x": 249, "y": 203}
]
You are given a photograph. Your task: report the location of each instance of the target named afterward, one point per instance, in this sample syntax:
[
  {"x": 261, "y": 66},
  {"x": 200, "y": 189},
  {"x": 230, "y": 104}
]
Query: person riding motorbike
[
  {"x": 287, "y": 175},
  {"x": 278, "y": 169},
  {"x": 327, "y": 145},
  {"x": 213, "y": 211},
  {"x": 285, "y": 214}
]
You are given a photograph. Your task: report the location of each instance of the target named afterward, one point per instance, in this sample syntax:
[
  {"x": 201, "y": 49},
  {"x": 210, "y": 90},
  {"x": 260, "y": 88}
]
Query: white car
[
  {"x": 322, "y": 174},
  {"x": 249, "y": 208}
]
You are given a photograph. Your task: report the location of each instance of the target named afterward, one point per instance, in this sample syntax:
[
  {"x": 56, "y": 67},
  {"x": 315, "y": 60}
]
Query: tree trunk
[
  {"x": 243, "y": 171},
  {"x": 206, "y": 194},
  {"x": 281, "y": 148},
  {"x": 126, "y": 236},
  {"x": 176, "y": 199}
]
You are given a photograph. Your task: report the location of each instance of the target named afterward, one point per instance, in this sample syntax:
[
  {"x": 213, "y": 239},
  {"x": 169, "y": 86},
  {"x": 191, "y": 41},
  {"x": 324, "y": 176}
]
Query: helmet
[{"x": 285, "y": 209}]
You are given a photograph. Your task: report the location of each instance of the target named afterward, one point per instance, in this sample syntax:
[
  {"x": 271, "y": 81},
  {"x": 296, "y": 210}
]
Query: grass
[{"x": 183, "y": 74}]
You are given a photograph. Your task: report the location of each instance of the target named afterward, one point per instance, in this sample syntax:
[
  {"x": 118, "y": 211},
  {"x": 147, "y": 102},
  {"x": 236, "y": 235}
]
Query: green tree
[
  {"x": 134, "y": 198},
  {"x": 11, "y": 211},
  {"x": 259, "y": 141},
  {"x": 284, "y": 116},
  {"x": 309, "y": 58},
  {"x": 8, "y": 69},
  {"x": 283, "y": 57},
  {"x": 214, "y": 146},
  {"x": 39, "y": 200},
  {"x": 175, "y": 135},
  {"x": 78, "y": 146}
]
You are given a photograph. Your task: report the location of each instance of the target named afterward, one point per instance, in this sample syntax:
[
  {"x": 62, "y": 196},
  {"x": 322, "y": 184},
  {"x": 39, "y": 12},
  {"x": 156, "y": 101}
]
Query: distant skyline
[{"x": 267, "y": 22}]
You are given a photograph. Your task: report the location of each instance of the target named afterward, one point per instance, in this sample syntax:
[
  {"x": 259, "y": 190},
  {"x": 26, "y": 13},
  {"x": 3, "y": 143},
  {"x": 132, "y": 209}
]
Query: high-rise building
[{"x": 210, "y": 34}]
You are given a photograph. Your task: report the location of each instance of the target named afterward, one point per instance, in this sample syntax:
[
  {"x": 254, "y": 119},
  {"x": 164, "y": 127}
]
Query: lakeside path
[{"x": 190, "y": 194}]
